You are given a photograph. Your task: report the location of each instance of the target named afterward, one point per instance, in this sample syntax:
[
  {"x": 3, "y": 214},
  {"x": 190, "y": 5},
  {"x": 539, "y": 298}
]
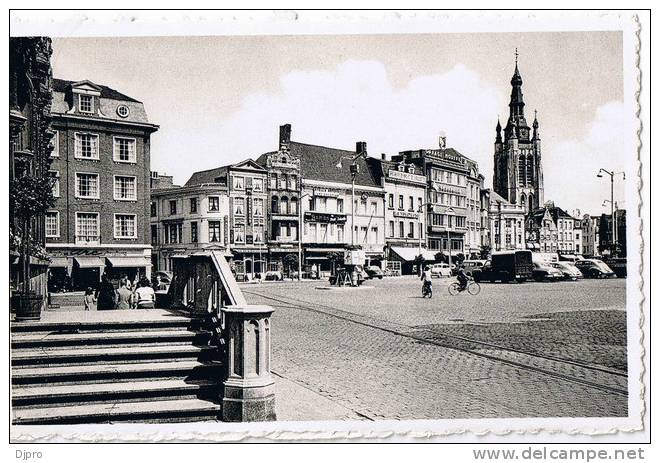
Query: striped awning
[
  {"x": 129, "y": 261},
  {"x": 90, "y": 261},
  {"x": 59, "y": 262}
]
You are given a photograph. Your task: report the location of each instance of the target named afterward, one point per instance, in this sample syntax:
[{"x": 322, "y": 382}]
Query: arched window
[
  {"x": 530, "y": 169},
  {"x": 284, "y": 205},
  {"x": 294, "y": 206},
  {"x": 523, "y": 200},
  {"x": 521, "y": 171},
  {"x": 275, "y": 205},
  {"x": 531, "y": 202}
]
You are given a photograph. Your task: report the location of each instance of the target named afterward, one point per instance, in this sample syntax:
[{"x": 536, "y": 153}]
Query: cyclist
[
  {"x": 427, "y": 285},
  {"x": 462, "y": 278}
]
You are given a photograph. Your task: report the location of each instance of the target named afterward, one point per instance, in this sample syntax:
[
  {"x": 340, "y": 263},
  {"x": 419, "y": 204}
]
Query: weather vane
[{"x": 516, "y": 56}]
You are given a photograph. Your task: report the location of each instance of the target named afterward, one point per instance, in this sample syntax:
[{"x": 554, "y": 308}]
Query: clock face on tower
[{"x": 523, "y": 133}]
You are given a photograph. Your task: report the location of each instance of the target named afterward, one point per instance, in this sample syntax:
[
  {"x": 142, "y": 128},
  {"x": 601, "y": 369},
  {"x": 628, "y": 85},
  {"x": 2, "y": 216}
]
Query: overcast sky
[{"x": 219, "y": 100}]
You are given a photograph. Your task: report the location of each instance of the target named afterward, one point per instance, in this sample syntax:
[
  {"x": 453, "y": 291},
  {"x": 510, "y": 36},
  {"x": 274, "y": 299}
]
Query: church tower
[{"x": 517, "y": 172}]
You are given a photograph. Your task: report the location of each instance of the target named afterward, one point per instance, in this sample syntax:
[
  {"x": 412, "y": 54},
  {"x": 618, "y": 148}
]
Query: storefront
[
  {"x": 406, "y": 257},
  {"x": 249, "y": 263}
]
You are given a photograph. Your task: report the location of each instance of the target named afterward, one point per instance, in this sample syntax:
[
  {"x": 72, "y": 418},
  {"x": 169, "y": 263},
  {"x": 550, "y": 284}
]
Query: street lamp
[
  {"x": 300, "y": 229},
  {"x": 360, "y": 151},
  {"x": 448, "y": 210},
  {"x": 600, "y": 173}
]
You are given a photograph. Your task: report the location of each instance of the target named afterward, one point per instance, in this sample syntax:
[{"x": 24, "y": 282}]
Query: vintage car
[
  {"x": 570, "y": 271},
  {"x": 594, "y": 268}
]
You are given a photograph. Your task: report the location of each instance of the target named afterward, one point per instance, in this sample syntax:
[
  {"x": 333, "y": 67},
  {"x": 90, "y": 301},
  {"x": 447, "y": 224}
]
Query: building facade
[
  {"x": 404, "y": 185},
  {"x": 551, "y": 229},
  {"x": 246, "y": 189},
  {"x": 101, "y": 163},
  {"x": 610, "y": 243},
  {"x": 185, "y": 220},
  {"x": 505, "y": 223},
  {"x": 518, "y": 171},
  {"x": 452, "y": 198},
  {"x": 590, "y": 235},
  {"x": 30, "y": 145},
  {"x": 283, "y": 167}
]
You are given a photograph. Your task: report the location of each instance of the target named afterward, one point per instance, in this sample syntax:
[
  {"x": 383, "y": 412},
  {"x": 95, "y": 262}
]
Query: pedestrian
[
  {"x": 89, "y": 298},
  {"x": 123, "y": 297},
  {"x": 105, "y": 294},
  {"x": 145, "y": 297}
]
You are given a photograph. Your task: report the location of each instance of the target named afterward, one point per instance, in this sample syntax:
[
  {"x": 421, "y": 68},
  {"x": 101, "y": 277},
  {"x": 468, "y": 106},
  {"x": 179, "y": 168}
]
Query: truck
[{"x": 506, "y": 266}]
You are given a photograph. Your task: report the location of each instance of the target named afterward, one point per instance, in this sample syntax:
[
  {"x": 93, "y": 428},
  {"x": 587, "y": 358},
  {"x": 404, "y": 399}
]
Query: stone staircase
[{"x": 160, "y": 370}]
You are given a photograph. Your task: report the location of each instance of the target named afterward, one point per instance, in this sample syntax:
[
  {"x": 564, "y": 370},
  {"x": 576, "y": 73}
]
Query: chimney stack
[
  {"x": 383, "y": 156},
  {"x": 361, "y": 148},
  {"x": 285, "y": 137}
]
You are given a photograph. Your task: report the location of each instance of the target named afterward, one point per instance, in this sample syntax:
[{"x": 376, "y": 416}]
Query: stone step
[
  {"x": 148, "y": 411},
  {"x": 22, "y": 358},
  {"x": 188, "y": 369},
  {"x": 103, "y": 326},
  {"x": 133, "y": 391},
  {"x": 31, "y": 340}
]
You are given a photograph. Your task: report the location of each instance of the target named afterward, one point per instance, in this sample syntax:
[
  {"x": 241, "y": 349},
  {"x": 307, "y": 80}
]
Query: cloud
[
  {"x": 570, "y": 166},
  {"x": 355, "y": 102}
]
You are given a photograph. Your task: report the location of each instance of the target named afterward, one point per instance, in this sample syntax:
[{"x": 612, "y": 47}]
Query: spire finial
[{"x": 516, "y": 53}]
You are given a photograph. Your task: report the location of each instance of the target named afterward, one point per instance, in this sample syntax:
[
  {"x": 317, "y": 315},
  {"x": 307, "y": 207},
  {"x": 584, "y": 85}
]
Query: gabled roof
[
  {"x": 212, "y": 175},
  {"x": 554, "y": 212},
  {"x": 60, "y": 85}
]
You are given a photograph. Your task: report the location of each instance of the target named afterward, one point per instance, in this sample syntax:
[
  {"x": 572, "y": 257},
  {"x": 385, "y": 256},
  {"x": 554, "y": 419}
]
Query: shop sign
[
  {"x": 324, "y": 218},
  {"x": 406, "y": 214},
  {"x": 326, "y": 192},
  {"x": 355, "y": 257},
  {"x": 406, "y": 176}
]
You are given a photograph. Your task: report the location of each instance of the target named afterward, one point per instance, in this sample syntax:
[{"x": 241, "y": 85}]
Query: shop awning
[
  {"x": 129, "y": 261},
  {"x": 409, "y": 254},
  {"x": 90, "y": 261},
  {"x": 324, "y": 249},
  {"x": 59, "y": 262}
]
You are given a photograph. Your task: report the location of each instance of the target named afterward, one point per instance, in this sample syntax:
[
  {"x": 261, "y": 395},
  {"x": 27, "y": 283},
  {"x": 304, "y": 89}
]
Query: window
[
  {"x": 390, "y": 201},
  {"x": 401, "y": 202},
  {"x": 87, "y": 186},
  {"x": 273, "y": 182},
  {"x": 125, "y": 188},
  {"x": 258, "y": 234},
  {"x": 239, "y": 234},
  {"x": 55, "y": 144},
  {"x": 324, "y": 232},
  {"x": 125, "y": 226},
  {"x": 411, "y": 203},
  {"x": 154, "y": 211},
  {"x": 173, "y": 207},
  {"x": 374, "y": 207},
  {"x": 55, "y": 175},
  {"x": 85, "y": 103},
  {"x": 154, "y": 234},
  {"x": 374, "y": 234},
  {"x": 86, "y": 146},
  {"x": 340, "y": 205},
  {"x": 419, "y": 205},
  {"x": 401, "y": 229},
  {"x": 391, "y": 228},
  {"x": 193, "y": 205},
  {"x": 193, "y": 232},
  {"x": 173, "y": 233},
  {"x": 87, "y": 227},
  {"x": 363, "y": 234},
  {"x": 214, "y": 231},
  {"x": 323, "y": 204},
  {"x": 411, "y": 229},
  {"x": 239, "y": 183},
  {"x": 122, "y": 110},
  {"x": 282, "y": 181},
  {"x": 258, "y": 206},
  {"x": 274, "y": 204},
  {"x": 340, "y": 233},
  {"x": 258, "y": 184},
  {"x": 124, "y": 149},
  {"x": 52, "y": 224},
  {"x": 214, "y": 204},
  {"x": 239, "y": 206},
  {"x": 312, "y": 232}
]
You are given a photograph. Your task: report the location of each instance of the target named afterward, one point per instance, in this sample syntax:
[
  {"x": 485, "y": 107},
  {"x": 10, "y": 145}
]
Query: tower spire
[
  {"x": 516, "y": 105},
  {"x": 498, "y": 131}
]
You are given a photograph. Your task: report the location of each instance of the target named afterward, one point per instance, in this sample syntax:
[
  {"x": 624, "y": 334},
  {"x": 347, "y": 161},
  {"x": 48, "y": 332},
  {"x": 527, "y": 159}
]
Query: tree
[
  {"x": 419, "y": 262},
  {"x": 460, "y": 257},
  {"x": 441, "y": 257},
  {"x": 484, "y": 252},
  {"x": 29, "y": 198},
  {"x": 290, "y": 261},
  {"x": 337, "y": 259}
]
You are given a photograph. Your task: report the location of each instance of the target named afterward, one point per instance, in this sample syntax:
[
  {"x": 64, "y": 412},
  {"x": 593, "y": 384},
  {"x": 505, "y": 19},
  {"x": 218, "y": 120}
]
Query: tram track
[{"x": 611, "y": 381}]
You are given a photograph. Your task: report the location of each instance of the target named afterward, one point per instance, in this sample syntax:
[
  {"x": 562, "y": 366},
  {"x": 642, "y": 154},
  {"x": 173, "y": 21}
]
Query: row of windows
[
  {"x": 87, "y": 186},
  {"x": 447, "y": 199},
  {"x": 451, "y": 178},
  {"x": 402, "y": 229},
  {"x": 401, "y": 203},
  {"x": 445, "y": 220},
  {"x": 240, "y": 182},
  {"x": 283, "y": 182},
  {"x": 325, "y": 233},
  {"x": 173, "y": 233},
  {"x": 87, "y": 226},
  {"x": 86, "y": 146}
]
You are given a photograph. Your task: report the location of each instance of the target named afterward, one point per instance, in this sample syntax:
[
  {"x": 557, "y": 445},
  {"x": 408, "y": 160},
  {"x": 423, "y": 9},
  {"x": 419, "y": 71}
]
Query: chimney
[
  {"x": 383, "y": 156},
  {"x": 361, "y": 148},
  {"x": 285, "y": 136}
]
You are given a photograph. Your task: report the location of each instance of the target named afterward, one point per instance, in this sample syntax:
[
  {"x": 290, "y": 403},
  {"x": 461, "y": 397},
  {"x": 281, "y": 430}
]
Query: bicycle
[
  {"x": 472, "y": 288},
  {"x": 427, "y": 290}
]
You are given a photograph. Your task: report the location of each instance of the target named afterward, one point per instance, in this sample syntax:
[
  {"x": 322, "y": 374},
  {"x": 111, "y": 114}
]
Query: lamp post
[
  {"x": 611, "y": 174},
  {"x": 300, "y": 229},
  {"x": 448, "y": 210}
]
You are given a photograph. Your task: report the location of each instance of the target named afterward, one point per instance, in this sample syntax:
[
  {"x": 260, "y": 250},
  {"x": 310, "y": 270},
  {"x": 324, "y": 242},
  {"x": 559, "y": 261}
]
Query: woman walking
[
  {"x": 105, "y": 294},
  {"x": 145, "y": 297},
  {"x": 124, "y": 296}
]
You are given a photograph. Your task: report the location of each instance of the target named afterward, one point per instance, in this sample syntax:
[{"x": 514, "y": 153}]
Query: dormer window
[
  {"x": 85, "y": 103},
  {"x": 411, "y": 170},
  {"x": 401, "y": 168}
]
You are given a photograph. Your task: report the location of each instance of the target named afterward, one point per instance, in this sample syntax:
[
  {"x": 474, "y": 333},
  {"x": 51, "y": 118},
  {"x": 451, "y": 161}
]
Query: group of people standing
[{"x": 127, "y": 296}]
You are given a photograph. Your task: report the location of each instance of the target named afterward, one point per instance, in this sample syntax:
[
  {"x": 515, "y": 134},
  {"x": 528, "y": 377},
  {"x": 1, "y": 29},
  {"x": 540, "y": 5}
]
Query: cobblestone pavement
[{"x": 385, "y": 353}]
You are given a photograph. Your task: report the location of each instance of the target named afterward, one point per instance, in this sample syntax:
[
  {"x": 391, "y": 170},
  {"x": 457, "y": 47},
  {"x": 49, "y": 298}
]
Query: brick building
[
  {"x": 101, "y": 162},
  {"x": 551, "y": 229},
  {"x": 590, "y": 235}
]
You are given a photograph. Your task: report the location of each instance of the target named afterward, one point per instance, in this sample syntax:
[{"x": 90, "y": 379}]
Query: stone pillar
[{"x": 248, "y": 390}]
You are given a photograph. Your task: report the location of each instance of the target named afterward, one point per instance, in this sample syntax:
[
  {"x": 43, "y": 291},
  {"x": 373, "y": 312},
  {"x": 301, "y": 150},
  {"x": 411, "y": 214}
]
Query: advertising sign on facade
[
  {"x": 406, "y": 176},
  {"x": 354, "y": 257},
  {"x": 324, "y": 218}
]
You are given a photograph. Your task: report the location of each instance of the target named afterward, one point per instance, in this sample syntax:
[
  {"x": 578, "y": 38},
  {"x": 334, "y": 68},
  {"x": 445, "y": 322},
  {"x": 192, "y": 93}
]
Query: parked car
[
  {"x": 373, "y": 271},
  {"x": 618, "y": 266},
  {"x": 570, "y": 271},
  {"x": 440, "y": 270},
  {"x": 471, "y": 265},
  {"x": 544, "y": 271},
  {"x": 594, "y": 268},
  {"x": 506, "y": 266}
]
